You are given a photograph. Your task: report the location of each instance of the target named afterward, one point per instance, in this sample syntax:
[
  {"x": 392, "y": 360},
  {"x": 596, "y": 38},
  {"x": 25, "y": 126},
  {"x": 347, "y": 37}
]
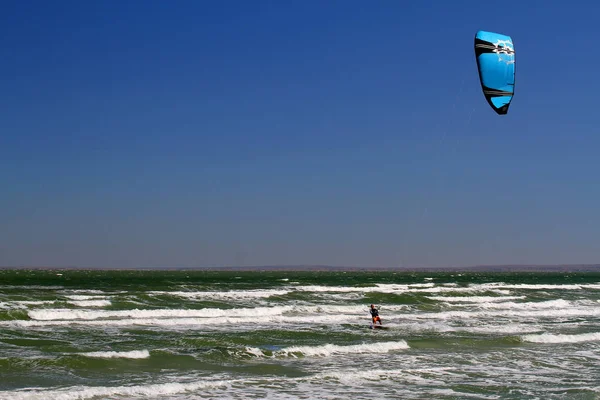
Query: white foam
[
  {"x": 394, "y": 289},
  {"x": 333, "y": 349},
  {"x": 474, "y": 299},
  {"x": 422, "y": 377},
  {"x": 311, "y": 313},
  {"x": 421, "y": 285},
  {"x": 80, "y": 297},
  {"x": 251, "y": 322},
  {"x": 562, "y": 338},
  {"x": 90, "y": 303},
  {"x": 92, "y": 291},
  {"x": 526, "y": 286},
  {"x": 135, "y": 354},
  {"x": 228, "y": 295},
  {"x": 69, "y": 314},
  {"x": 428, "y": 287},
  {"x": 526, "y": 310},
  {"x": 540, "y": 305},
  {"x": 23, "y": 304},
  {"x": 89, "y": 392},
  {"x": 505, "y": 329},
  {"x": 259, "y": 313}
]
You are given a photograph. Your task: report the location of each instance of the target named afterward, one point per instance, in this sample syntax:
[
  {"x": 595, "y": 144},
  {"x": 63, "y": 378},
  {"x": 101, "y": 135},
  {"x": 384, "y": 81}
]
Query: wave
[
  {"x": 225, "y": 295},
  {"x": 24, "y": 304},
  {"x": 79, "y": 297},
  {"x": 90, "y": 392},
  {"x": 304, "y": 314},
  {"x": 474, "y": 299},
  {"x": 68, "y": 314},
  {"x": 513, "y": 312},
  {"x": 90, "y": 303},
  {"x": 135, "y": 354},
  {"x": 257, "y": 312},
  {"x": 537, "y": 286},
  {"x": 332, "y": 349},
  {"x": 250, "y": 322},
  {"x": 562, "y": 338}
]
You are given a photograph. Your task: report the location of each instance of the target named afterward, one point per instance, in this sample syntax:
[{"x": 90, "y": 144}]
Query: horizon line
[{"x": 316, "y": 267}]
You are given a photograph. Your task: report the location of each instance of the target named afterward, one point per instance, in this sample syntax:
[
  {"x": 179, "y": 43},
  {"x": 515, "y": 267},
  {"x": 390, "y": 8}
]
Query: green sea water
[{"x": 200, "y": 334}]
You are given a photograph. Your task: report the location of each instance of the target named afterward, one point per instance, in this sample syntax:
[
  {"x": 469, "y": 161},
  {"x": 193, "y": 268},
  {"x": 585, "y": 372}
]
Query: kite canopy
[{"x": 495, "y": 54}]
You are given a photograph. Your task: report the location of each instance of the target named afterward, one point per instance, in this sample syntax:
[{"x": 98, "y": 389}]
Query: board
[{"x": 378, "y": 327}]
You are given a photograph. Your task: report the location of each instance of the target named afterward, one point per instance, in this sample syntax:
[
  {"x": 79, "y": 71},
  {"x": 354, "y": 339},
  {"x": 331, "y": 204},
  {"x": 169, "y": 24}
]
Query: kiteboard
[{"x": 378, "y": 327}]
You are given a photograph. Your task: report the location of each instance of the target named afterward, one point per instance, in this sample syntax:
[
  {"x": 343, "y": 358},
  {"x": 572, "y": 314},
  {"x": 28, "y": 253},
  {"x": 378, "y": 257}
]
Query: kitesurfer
[{"x": 375, "y": 314}]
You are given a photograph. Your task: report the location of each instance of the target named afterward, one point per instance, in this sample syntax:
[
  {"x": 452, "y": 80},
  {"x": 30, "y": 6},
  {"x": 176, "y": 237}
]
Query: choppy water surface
[{"x": 288, "y": 335}]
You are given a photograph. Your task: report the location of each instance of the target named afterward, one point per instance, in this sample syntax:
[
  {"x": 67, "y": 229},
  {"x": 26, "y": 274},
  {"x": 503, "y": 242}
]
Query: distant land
[{"x": 258, "y": 268}]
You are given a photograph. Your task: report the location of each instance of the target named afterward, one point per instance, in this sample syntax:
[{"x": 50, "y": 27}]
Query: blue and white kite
[{"x": 495, "y": 55}]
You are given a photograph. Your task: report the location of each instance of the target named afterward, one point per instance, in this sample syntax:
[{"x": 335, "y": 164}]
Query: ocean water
[{"x": 298, "y": 335}]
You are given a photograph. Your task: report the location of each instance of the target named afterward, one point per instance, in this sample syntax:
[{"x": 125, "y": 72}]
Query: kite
[{"x": 495, "y": 54}]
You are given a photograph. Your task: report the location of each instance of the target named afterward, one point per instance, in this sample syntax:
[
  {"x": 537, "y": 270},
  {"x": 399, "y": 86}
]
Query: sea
[{"x": 298, "y": 334}]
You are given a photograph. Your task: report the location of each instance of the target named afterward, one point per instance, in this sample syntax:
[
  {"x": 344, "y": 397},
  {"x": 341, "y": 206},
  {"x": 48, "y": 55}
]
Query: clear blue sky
[{"x": 196, "y": 133}]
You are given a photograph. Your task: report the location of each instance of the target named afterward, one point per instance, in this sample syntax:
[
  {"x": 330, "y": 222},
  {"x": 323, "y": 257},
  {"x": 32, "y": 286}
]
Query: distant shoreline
[{"x": 325, "y": 268}]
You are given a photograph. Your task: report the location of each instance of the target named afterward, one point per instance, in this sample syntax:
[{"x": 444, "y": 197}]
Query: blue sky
[{"x": 195, "y": 133}]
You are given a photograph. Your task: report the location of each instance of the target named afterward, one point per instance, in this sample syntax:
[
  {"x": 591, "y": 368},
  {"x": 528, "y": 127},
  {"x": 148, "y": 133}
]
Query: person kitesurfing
[{"x": 375, "y": 315}]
